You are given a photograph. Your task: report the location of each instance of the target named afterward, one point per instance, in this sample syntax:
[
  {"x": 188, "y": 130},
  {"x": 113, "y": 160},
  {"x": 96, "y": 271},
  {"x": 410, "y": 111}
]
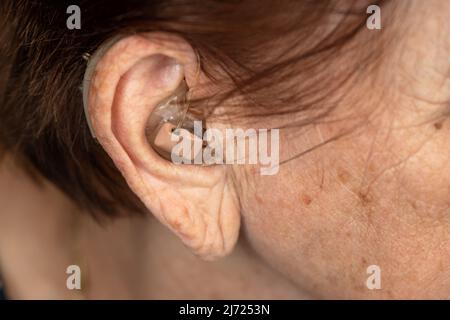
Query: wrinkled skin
[{"x": 379, "y": 196}]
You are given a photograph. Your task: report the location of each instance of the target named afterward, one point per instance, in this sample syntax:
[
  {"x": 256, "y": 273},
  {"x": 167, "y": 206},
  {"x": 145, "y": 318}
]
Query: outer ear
[{"x": 137, "y": 72}]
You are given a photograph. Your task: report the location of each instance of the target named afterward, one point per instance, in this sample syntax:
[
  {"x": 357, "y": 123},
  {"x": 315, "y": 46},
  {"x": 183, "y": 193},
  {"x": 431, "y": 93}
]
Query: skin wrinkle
[
  {"x": 364, "y": 194},
  {"x": 390, "y": 131}
]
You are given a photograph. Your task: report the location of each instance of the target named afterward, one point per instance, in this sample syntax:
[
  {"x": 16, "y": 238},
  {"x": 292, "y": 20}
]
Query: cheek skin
[{"x": 329, "y": 215}]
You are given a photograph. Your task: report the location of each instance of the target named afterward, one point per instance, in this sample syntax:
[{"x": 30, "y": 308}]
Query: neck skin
[{"x": 41, "y": 234}]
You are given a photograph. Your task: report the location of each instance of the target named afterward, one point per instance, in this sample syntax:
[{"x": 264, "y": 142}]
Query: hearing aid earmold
[{"x": 169, "y": 117}]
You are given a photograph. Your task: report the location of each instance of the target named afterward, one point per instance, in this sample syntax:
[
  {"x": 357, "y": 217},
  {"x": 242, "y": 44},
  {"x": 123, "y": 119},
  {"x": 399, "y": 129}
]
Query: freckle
[
  {"x": 343, "y": 176},
  {"x": 287, "y": 204},
  {"x": 306, "y": 199},
  {"x": 332, "y": 279},
  {"x": 254, "y": 170},
  {"x": 259, "y": 199},
  {"x": 358, "y": 288},
  {"x": 365, "y": 198},
  {"x": 389, "y": 293},
  {"x": 364, "y": 261},
  {"x": 176, "y": 224},
  {"x": 438, "y": 125}
]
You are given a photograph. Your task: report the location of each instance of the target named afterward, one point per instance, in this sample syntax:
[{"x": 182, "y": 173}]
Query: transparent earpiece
[{"x": 167, "y": 118}]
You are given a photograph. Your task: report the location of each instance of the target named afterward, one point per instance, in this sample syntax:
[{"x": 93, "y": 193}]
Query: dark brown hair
[{"x": 256, "y": 44}]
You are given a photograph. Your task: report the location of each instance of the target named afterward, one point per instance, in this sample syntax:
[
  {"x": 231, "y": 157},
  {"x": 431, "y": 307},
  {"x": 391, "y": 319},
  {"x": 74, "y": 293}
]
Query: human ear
[{"x": 127, "y": 81}]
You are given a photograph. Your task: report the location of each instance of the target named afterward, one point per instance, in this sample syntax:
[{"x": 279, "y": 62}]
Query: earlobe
[{"x": 129, "y": 91}]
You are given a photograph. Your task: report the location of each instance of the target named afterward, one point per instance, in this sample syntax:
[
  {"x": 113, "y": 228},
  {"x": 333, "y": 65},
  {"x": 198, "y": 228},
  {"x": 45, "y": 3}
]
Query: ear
[{"x": 130, "y": 78}]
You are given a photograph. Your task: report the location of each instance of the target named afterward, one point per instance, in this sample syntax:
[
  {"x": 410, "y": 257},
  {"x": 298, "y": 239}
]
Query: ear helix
[{"x": 92, "y": 61}]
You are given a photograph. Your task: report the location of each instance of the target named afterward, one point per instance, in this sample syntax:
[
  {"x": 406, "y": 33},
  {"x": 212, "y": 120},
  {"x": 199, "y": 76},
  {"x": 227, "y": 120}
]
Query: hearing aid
[{"x": 167, "y": 119}]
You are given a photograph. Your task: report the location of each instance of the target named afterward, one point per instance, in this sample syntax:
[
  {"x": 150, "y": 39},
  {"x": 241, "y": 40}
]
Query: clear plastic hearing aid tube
[{"x": 92, "y": 63}]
